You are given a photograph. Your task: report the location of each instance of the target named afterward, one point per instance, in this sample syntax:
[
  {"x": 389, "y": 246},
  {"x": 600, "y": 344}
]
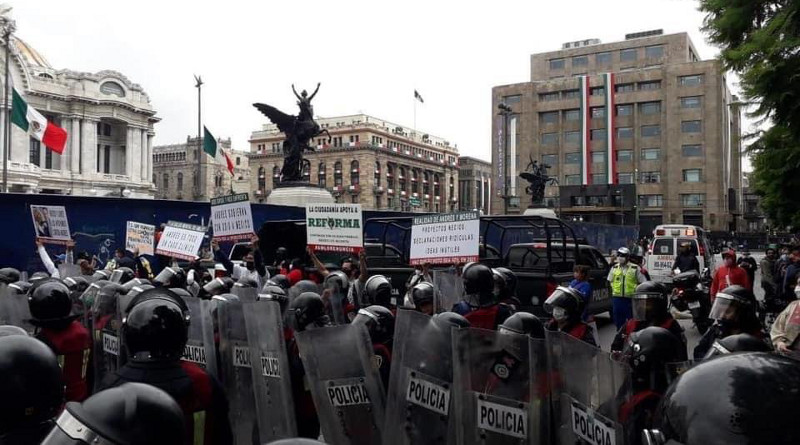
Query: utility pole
[
  {"x": 505, "y": 111},
  {"x": 8, "y": 28},
  {"x": 199, "y": 84}
]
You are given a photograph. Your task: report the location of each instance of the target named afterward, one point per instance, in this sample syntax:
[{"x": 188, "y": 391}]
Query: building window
[
  {"x": 625, "y": 110},
  {"x": 426, "y": 185},
  {"x": 401, "y": 179},
  {"x": 321, "y": 179},
  {"x": 597, "y": 91},
  {"x": 572, "y": 158},
  {"x": 107, "y": 159},
  {"x": 238, "y": 161},
  {"x": 598, "y": 157},
  {"x": 571, "y": 94},
  {"x": 166, "y": 182},
  {"x": 651, "y": 178},
  {"x": 624, "y": 132},
  {"x": 551, "y": 160},
  {"x": 693, "y": 199},
  {"x": 625, "y": 178},
  {"x": 377, "y": 173},
  {"x": 651, "y": 200},
  {"x": 337, "y": 141},
  {"x": 654, "y": 52},
  {"x": 550, "y": 117},
  {"x": 337, "y": 174},
  {"x": 598, "y": 178},
  {"x": 598, "y": 112},
  {"x": 650, "y": 108},
  {"x": 354, "y": 173},
  {"x": 276, "y": 176},
  {"x": 508, "y": 100},
  {"x": 580, "y": 61},
  {"x": 577, "y": 201},
  {"x": 651, "y": 130},
  {"x": 306, "y": 170},
  {"x": 548, "y": 97},
  {"x": 262, "y": 180},
  {"x": 572, "y": 115},
  {"x": 112, "y": 88},
  {"x": 691, "y": 102},
  {"x": 549, "y": 138},
  {"x": 180, "y": 182},
  {"x": 624, "y": 87},
  {"x": 691, "y": 151},
  {"x": 692, "y": 175},
  {"x": 692, "y": 80},
  {"x": 650, "y": 85},
  {"x": 556, "y": 64},
  {"x": 353, "y": 138},
  {"x": 691, "y": 127},
  {"x": 572, "y": 137},
  {"x": 627, "y": 55},
  {"x": 651, "y": 154},
  {"x": 572, "y": 179},
  {"x": 436, "y": 187},
  {"x": 598, "y": 134},
  {"x": 624, "y": 155},
  {"x": 603, "y": 58}
]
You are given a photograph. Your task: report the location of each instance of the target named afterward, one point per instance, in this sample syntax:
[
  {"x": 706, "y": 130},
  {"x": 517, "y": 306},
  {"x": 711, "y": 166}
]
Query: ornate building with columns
[
  {"x": 475, "y": 184},
  {"x": 109, "y": 121},
  {"x": 368, "y": 161}
]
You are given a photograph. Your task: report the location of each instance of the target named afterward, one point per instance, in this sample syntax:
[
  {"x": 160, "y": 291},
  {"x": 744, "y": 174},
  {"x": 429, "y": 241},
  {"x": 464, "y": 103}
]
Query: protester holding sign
[
  {"x": 254, "y": 264},
  {"x": 48, "y": 263},
  {"x": 50, "y": 224}
]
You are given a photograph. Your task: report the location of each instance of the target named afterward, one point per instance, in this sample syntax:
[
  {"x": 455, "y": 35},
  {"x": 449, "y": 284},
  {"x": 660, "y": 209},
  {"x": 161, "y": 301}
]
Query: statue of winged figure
[
  {"x": 537, "y": 178},
  {"x": 299, "y": 130}
]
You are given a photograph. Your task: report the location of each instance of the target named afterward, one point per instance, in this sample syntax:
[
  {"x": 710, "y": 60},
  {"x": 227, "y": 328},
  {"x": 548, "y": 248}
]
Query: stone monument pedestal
[{"x": 299, "y": 194}]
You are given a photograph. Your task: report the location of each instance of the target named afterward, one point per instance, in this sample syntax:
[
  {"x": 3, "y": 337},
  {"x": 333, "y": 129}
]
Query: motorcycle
[{"x": 690, "y": 292}]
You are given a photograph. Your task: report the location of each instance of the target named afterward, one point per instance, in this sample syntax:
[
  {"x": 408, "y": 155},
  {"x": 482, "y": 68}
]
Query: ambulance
[{"x": 665, "y": 246}]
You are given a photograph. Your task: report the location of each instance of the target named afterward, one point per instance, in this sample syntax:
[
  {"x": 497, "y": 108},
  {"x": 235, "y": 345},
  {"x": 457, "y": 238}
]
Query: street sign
[{"x": 414, "y": 202}]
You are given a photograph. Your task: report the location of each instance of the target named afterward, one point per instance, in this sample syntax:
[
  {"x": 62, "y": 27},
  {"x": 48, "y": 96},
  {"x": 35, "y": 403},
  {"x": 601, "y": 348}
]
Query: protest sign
[
  {"x": 231, "y": 217},
  {"x": 140, "y": 236},
  {"x": 445, "y": 238},
  {"x": 181, "y": 240},
  {"x": 334, "y": 227},
  {"x": 50, "y": 224}
]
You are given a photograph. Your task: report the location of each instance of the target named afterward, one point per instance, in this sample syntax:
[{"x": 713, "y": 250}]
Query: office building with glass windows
[{"x": 639, "y": 131}]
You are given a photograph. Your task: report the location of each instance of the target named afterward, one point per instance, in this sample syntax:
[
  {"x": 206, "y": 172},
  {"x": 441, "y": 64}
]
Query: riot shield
[
  {"x": 589, "y": 388},
  {"x": 106, "y": 329},
  {"x": 245, "y": 293},
  {"x": 68, "y": 270},
  {"x": 418, "y": 402},
  {"x": 14, "y": 308},
  {"x": 345, "y": 385},
  {"x": 200, "y": 348},
  {"x": 237, "y": 378},
  {"x": 449, "y": 290},
  {"x": 270, "y": 376},
  {"x": 495, "y": 394}
]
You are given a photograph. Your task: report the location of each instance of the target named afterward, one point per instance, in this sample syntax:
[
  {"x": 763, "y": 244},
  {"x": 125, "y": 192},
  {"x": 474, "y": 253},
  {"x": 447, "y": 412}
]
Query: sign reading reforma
[
  {"x": 50, "y": 224},
  {"x": 445, "y": 238},
  {"x": 181, "y": 240},
  {"x": 231, "y": 217},
  {"x": 334, "y": 227},
  {"x": 140, "y": 236}
]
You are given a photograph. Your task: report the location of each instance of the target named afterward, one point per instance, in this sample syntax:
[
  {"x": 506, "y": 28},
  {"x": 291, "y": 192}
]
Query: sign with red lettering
[
  {"x": 50, "y": 224},
  {"x": 334, "y": 227},
  {"x": 232, "y": 218}
]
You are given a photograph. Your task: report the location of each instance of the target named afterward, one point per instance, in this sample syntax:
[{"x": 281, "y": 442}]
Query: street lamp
[{"x": 505, "y": 111}]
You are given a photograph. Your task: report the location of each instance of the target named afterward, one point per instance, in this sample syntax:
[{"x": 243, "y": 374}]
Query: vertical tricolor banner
[
  {"x": 611, "y": 131},
  {"x": 586, "y": 155}
]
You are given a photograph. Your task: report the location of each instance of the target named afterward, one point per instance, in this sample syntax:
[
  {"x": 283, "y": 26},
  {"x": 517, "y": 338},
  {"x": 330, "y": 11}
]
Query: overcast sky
[{"x": 369, "y": 55}]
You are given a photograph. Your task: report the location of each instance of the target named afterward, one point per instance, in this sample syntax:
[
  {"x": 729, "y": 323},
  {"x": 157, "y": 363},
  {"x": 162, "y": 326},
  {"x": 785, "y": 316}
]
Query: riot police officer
[
  {"x": 566, "y": 306},
  {"x": 31, "y": 387},
  {"x": 9, "y": 275},
  {"x": 380, "y": 324},
  {"x": 122, "y": 275},
  {"x": 649, "y": 309},
  {"x": 217, "y": 286},
  {"x": 505, "y": 281},
  {"x": 452, "y": 318},
  {"x": 733, "y": 399},
  {"x": 422, "y": 297},
  {"x": 486, "y": 312},
  {"x": 379, "y": 291},
  {"x": 132, "y": 414},
  {"x": 523, "y": 323},
  {"x": 648, "y": 352},
  {"x": 280, "y": 280},
  {"x": 337, "y": 286},
  {"x": 155, "y": 332},
  {"x": 20, "y": 287},
  {"x": 737, "y": 343},
  {"x": 58, "y": 328},
  {"x": 170, "y": 277},
  {"x": 733, "y": 312}
]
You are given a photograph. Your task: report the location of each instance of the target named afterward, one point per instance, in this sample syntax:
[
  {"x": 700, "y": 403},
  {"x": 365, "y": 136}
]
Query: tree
[{"x": 760, "y": 40}]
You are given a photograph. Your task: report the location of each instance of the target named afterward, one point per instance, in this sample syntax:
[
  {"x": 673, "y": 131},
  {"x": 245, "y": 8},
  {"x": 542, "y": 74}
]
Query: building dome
[{"x": 29, "y": 55}]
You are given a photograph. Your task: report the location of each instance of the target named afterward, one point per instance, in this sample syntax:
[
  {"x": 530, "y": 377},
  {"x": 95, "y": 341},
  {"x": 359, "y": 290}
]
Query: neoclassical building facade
[{"x": 109, "y": 121}]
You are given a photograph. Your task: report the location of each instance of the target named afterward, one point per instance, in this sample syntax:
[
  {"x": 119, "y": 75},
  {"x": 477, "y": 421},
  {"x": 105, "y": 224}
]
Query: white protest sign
[
  {"x": 50, "y": 224},
  {"x": 334, "y": 227},
  {"x": 592, "y": 427},
  {"x": 445, "y": 238},
  {"x": 181, "y": 240},
  {"x": 140, "y": 236},
  {"x": 231, "y": 217}
]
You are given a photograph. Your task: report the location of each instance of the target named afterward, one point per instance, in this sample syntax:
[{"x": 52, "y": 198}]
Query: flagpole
[
  {"x": 199, "y": 139},
  {"x": 415, "y": 114},
  {"x": 8, "y": 28}
]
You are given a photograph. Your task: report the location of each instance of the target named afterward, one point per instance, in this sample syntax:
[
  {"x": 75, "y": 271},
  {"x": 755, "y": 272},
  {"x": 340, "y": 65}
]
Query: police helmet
[
  {"x": 50, "y": 304},
  {"x": 523, "y": 323},
  {"x": 737, "y": 343},
  {"x": 733, "y": 304},
  {"x": 379, "y": 290},
  {"x": 101, "y": 275},
  {"x": 9, "y": 275},
  {"x": 275, "y": 293},
  {"x": 478, "y": 280},
  {"x": 452, "y": 319},
  {"x": 379, "y": 322},
  {"x": 247, "y": 281},
  {"x": 308, "y": 310},
  {"x": 280, "y": 280},
  {"x": 135, "y": 282},
  {"x": 218, "y": 286},
  {"x": 38, "y": 276},
  {"x": 510, "y": 281},
  {"x": 156, "y": 325},
  {"x": 122, "y": 275},
  {"x": 648, "y": 352},
  {"x": 649, "y": 301},
  {"x": 567, "y": 299},
  {"x": 170, "y": 277},
  {"x": 76, "y": 285},
  {"x": 20, "y": 287},
  {"x": 421, "y": 294},
  {"x": 337, "y": 281}
]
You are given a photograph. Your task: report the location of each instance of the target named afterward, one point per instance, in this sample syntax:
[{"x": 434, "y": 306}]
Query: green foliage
[{"x": 776, "y": 175}]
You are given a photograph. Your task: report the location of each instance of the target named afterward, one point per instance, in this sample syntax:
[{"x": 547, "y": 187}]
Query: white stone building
[{"x": 109, "y": 121}]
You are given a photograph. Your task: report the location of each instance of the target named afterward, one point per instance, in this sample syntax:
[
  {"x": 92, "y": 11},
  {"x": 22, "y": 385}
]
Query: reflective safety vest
[{"x": 624, "y": 282}]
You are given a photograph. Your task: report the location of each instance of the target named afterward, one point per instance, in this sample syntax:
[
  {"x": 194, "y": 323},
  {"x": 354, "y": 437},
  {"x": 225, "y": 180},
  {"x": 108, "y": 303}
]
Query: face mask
[
  {"x": 559, "y": 313},
  {"x": 622, "y": 261},
  {"x": 797, "y": 291},
  {"x": 250, "y": 265},
  {"x": 784, "y": 257},
  {"x": 417, "y": 272}
]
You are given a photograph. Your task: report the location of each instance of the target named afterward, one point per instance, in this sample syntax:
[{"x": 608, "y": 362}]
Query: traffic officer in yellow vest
[{"x": 624, "y": 276}]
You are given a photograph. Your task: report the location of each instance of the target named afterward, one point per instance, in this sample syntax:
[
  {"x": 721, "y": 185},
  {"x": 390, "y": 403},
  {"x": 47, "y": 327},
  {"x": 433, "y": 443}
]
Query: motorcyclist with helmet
[{"x": 566, "y": 306}]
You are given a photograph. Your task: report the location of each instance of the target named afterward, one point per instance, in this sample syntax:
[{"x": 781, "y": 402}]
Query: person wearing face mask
[
  {"x": 733, "y": 312},
  {"x": 786, "y": 329},
  {"x": 685, "y": 261},
  {"x": 624, "y": 276},
  {"x": 729, "y": 274},
  {"x": 253, "y": 268},
  {"x": 356, "y": 276},
  {"x": 566, "y": 306},
  {"x": 749, "y": 265},
  {"x": 421, "y": 274}
]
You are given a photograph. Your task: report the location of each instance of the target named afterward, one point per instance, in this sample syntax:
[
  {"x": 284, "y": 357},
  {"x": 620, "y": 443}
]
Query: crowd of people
[{"x": 105, "y": 356}]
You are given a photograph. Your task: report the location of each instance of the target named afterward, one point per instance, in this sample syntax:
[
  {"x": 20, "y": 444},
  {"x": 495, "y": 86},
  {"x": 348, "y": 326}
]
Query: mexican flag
[
  {"x": 27, "y": 118},
  {"x": 213, "y": 149}
]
